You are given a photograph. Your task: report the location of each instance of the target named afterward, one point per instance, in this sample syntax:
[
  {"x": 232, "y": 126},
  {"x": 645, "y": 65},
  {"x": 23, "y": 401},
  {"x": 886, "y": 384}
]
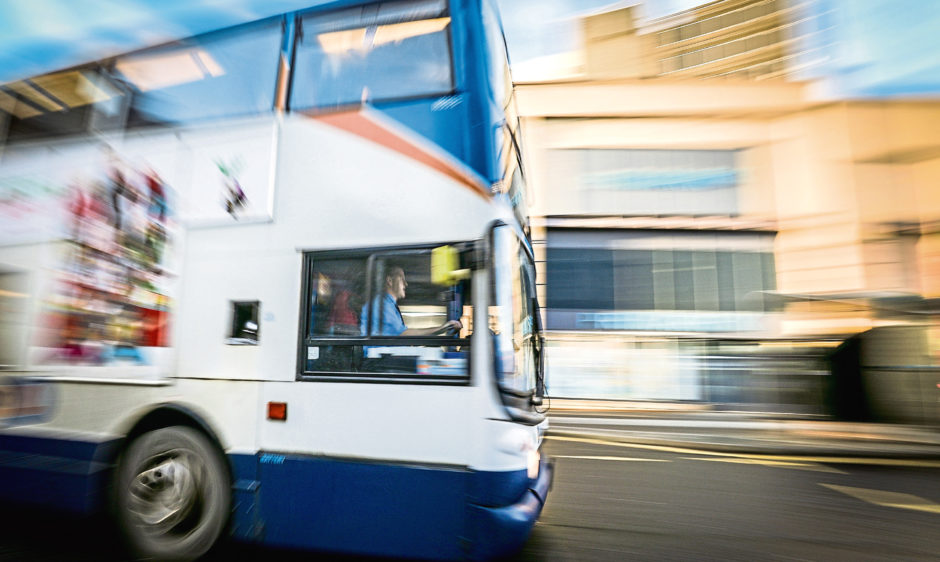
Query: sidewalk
[{"x": 699, "y": 426}]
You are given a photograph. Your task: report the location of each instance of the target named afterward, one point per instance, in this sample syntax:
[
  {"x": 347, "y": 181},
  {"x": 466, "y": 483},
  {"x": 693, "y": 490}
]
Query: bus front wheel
[{"x": 172, "y": 494}]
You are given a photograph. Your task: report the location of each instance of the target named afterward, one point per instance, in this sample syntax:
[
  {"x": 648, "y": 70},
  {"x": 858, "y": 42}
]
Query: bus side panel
[
  {"x": 58, "y": 473},
  {"x": 62, "y": 454},
  {"x": 246, "y": 521},
  {"x": 440, "y": 120},
  {"x": 367, "y": 508}
]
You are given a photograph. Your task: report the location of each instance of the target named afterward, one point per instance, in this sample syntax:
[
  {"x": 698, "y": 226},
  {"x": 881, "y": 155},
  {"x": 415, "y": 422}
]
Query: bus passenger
[
  {"x": 387, "y": 317},
  {"x": 342, "y": 319}
]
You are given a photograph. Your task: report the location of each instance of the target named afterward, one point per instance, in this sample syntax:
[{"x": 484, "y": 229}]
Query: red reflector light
[{"x": 277, "y": 411}]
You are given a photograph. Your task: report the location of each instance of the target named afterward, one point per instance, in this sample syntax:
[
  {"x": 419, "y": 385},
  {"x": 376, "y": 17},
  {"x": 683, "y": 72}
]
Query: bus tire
[{"x": 172, "y": 494}]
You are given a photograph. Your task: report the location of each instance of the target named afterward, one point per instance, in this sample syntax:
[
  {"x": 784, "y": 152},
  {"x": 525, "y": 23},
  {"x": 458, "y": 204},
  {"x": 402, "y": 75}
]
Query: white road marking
[
  {"x": 556, "y": 422},
  {"x": 594, "y": 458},
  {"x": 791, "y": 458},
  {"x": 887, "y": 499},
  {"x": 777, "y": 464}
]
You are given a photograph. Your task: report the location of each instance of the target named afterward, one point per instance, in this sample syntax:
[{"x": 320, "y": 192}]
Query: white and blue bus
[{"x": 275, "y": 283}]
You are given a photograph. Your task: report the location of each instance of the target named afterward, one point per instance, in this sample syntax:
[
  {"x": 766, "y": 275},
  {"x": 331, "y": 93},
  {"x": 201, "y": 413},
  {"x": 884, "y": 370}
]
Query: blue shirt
[{"x": 385, "y": 316}]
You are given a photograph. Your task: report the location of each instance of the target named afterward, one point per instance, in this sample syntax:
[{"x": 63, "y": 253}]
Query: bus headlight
[{"x": 533, "y": 458}]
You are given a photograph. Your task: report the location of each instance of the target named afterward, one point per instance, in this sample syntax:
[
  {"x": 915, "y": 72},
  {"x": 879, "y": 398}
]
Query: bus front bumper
[{"x": 501, "y": 531}]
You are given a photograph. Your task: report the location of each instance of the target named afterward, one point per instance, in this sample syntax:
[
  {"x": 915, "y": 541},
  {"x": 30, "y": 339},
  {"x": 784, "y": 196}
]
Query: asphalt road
[{"x": 616, "y": 501}]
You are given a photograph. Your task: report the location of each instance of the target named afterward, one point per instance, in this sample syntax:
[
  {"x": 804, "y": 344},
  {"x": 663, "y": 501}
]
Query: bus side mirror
[{"x": 445, "y": 266}]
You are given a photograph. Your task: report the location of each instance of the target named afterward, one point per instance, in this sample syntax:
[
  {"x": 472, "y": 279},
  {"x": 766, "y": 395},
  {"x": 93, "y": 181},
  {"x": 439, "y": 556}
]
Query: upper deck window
[
  {"x": 57, "y": 104},
  {"x": 218, "y": 75},
  {"x": 391, "y": 50}
]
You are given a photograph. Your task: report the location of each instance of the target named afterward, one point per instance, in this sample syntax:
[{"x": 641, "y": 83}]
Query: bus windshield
[
  {"x": 512, "y": 315},
  {"x": 386, "y": 51}
]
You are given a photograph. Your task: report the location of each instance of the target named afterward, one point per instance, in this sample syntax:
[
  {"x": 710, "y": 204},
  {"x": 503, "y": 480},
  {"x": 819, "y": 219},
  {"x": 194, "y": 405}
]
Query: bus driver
[{"x": 387, "y": 316}]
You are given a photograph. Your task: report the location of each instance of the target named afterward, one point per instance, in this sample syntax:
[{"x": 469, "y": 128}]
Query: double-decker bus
[{"x": 275, "y": 283}]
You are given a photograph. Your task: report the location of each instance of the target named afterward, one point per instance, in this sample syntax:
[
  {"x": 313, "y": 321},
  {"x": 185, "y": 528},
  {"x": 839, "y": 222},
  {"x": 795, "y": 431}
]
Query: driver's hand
[{"x": 454, "y": 325}]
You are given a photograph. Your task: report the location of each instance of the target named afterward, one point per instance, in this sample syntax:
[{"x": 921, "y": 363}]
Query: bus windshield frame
[{"x": 514, "y": 322}]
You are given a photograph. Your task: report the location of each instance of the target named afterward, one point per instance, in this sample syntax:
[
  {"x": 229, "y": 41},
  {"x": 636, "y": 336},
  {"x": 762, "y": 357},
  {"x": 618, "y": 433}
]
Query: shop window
[
  {"x": 584, "y": 278},
  {"x": 14, "y": 301}
]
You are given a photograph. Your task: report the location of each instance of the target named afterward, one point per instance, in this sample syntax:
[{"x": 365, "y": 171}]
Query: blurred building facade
[{"x": 704, "y": 227}]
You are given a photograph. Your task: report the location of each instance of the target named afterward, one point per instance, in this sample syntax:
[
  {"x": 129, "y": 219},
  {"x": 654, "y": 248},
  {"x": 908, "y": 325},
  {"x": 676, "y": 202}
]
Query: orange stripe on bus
[
  {"x": 361, "y": 125},
  {"x": 280, "y": 96}
]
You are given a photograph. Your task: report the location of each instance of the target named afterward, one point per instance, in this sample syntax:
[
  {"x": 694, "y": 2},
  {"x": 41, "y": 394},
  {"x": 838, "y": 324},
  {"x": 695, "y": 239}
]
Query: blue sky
[
  {"x": 40, "y": 35},
  {"x": 43, "y": 35},
  {"x": 880, "y": 47},
  {"x": 865, "y": 47}
]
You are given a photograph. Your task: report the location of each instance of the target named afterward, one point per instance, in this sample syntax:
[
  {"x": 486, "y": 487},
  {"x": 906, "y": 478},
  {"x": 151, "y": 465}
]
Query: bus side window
[{"x": 379, "y": 315}]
